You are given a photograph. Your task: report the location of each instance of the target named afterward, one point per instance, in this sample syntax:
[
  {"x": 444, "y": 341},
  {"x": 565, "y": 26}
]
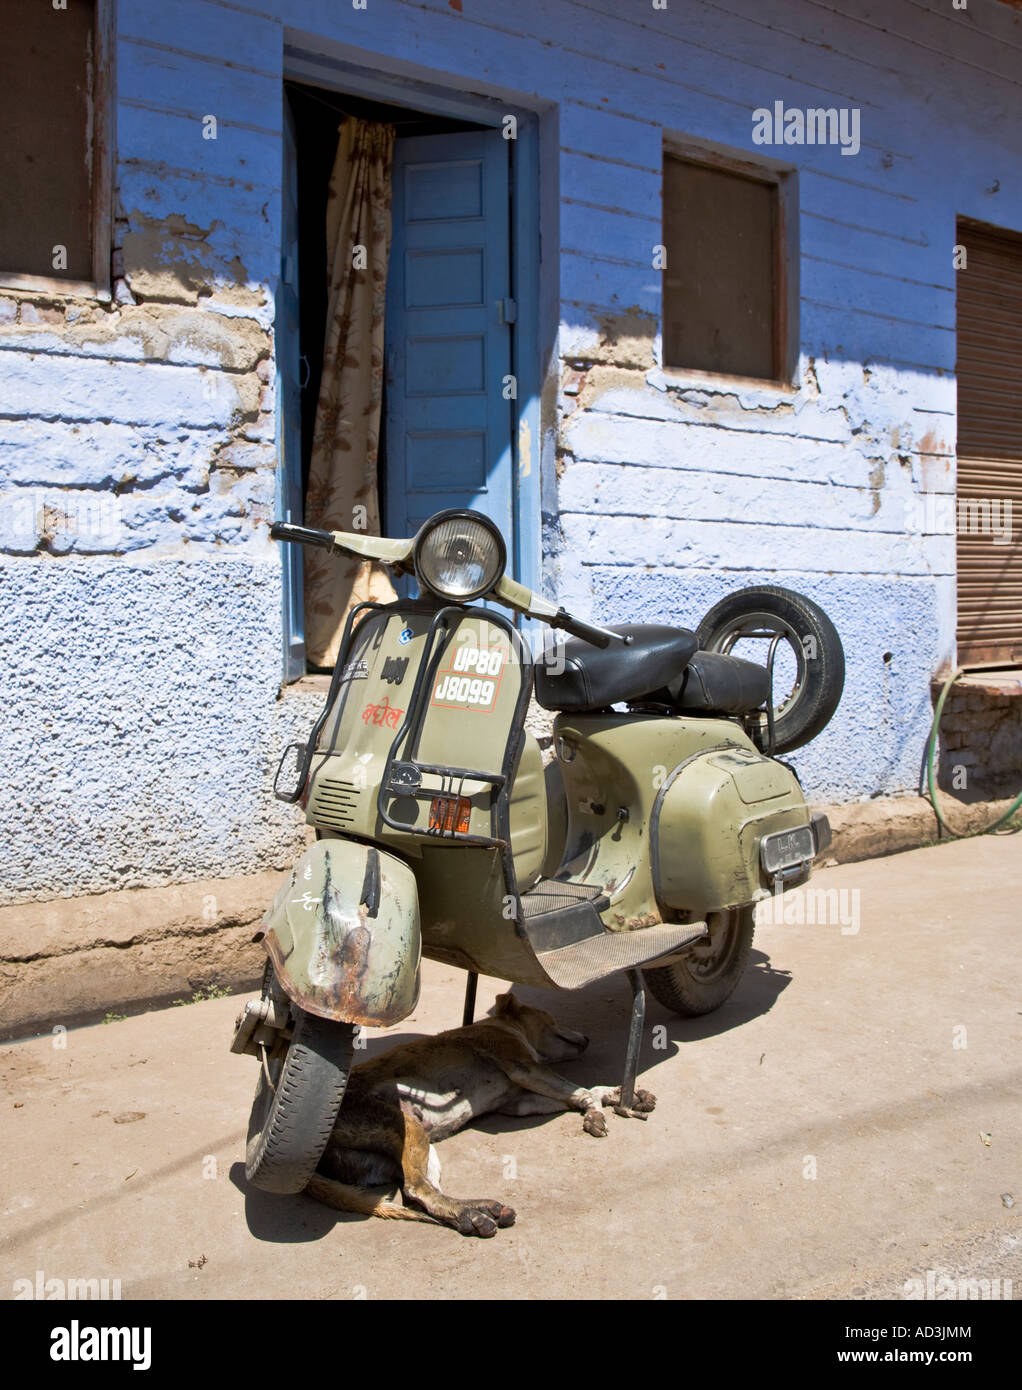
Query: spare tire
[{"x": 815, "y": 645}]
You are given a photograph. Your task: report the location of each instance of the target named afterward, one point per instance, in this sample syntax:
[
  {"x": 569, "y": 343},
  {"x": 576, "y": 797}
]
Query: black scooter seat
[
  {"x": 722, "y": 684},
  {"x": 595, "y": 677}
]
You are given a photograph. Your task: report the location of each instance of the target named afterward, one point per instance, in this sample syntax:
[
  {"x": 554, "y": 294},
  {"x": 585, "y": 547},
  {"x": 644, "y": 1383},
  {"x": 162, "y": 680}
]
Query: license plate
[{"x": 787, "y": 848}]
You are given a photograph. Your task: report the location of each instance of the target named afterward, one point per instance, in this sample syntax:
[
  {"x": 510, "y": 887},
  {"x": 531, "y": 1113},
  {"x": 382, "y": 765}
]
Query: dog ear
[{"x": 505, "y": 1004}]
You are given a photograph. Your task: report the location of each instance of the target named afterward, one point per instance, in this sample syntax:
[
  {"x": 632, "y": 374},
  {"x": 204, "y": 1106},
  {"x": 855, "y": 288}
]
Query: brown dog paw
[
  {"x": 642, "y": 1104},
  {"x": 482, "y": 1218},
  {"x": 504, "y": 1216},
  {"x": 595, "y": 1123},
  {"x": 475, "y": 1222}
]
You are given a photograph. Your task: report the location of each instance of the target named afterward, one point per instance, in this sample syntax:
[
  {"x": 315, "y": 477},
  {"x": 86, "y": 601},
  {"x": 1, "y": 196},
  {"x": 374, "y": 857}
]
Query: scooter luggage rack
[
  {"x": 775, "y": 637},
  {"x": 399, "y": 779},
  {"x": 404, "y": 777}
]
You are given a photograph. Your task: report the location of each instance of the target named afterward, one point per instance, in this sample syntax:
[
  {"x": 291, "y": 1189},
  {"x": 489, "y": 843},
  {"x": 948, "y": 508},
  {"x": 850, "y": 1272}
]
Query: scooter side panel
[
  {"x": 709, "y": 825},
  {"x": 343, "y": 934},
  {"x": 667, "y": 814},
  {"x": 613, "y": 766}
]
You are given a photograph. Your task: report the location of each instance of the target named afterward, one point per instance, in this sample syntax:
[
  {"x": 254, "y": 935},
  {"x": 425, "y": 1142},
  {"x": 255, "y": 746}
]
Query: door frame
[
  {"x": 533, "y": 341},
  {"x": 288, "y": 406}
]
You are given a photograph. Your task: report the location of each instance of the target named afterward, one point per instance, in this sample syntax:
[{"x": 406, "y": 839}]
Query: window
[
  {"x": 54, "y": 157},
  {"x": 724, "y": 281}
]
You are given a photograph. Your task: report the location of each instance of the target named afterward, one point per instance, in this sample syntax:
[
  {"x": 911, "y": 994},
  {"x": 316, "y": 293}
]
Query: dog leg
[
  {"x": 478, "y": 1216},
  {"x": 345, "y": 1197},
  {"x": 543, "y": 1082},
  {"x": 528, "y": 1103}
]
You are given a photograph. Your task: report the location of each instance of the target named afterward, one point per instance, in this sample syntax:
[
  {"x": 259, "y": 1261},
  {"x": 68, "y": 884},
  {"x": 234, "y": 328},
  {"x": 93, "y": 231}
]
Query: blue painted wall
[{"x": 140, "y": 594}]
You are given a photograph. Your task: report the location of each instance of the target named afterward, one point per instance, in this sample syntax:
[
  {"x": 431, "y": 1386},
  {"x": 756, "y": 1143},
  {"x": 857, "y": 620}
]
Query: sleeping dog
[{"x": 399, "y": 1102}]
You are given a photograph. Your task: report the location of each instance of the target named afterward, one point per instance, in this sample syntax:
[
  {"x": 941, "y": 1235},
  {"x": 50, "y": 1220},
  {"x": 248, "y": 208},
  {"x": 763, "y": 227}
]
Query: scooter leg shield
[{"x": 343, "y": 934}]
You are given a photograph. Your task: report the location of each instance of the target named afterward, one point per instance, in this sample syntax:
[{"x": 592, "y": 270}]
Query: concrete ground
[{"x": 848, "y": 1122}]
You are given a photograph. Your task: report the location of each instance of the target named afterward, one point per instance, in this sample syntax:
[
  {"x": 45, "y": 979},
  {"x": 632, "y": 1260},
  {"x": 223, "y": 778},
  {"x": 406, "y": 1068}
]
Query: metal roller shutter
[{"x": 989, "y": 509}]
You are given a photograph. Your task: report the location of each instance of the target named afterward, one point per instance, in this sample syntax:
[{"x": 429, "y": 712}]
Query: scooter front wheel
[
  {"x": 298, "y": 1094},
  {"x": 712, "y": 968}
]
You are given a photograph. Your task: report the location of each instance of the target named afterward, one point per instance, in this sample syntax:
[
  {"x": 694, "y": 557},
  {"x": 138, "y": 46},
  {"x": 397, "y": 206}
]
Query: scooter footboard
[{"x": 343, "y": 934}]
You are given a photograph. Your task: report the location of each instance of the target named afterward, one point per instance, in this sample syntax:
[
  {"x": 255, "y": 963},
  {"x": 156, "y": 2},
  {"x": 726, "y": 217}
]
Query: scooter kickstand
[
  {"x": 470, "y": 999},
  {"x": 627, "y": 1100}
]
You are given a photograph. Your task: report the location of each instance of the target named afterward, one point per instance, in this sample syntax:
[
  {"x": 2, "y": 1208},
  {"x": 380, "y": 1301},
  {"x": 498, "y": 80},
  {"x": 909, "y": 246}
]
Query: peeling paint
[
  {"x": 157, "y": 332},
  {"x": 934, "y": 443},
  {"x": 626, "y": 338},
  {"x": 877, "y": 475},
  {"x": 524, "y": 448},
  {"x": 172, "y": 260}
]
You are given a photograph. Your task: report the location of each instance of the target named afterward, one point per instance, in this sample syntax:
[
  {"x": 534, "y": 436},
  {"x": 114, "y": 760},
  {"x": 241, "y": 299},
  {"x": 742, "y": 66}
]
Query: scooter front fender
[{"x": 343, "y": 934}]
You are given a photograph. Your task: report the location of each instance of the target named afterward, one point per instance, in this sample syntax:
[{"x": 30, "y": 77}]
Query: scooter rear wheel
[
  {"x": 711, "y": 970},
  {"x": 294, "y": 1112}
]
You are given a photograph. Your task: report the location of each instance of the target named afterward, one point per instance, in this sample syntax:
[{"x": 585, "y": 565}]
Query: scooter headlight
[{"x": 459, "y": 555}]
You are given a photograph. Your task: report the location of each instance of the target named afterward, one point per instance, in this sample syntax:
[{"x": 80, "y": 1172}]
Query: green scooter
[{"x": 643, "y": 846}]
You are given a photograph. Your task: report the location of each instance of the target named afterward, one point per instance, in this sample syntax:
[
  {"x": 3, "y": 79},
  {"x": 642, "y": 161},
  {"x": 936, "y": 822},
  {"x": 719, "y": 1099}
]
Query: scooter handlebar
[
  {"x": 398, "y": 553},
  {"x": 301, "y": 535},
  {"x": 575, "y": 627}
]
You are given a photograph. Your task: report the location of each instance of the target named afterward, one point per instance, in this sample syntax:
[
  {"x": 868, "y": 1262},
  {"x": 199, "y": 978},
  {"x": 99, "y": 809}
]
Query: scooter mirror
[{"x": 289, "y": 783}]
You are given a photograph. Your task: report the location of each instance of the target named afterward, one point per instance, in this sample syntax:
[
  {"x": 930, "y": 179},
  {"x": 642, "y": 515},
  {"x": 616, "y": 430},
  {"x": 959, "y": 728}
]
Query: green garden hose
[{"x": 931, "y": 757}]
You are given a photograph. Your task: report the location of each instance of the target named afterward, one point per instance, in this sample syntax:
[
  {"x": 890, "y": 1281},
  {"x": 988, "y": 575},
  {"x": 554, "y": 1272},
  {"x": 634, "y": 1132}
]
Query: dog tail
[{"x": 346, "y": 1197}]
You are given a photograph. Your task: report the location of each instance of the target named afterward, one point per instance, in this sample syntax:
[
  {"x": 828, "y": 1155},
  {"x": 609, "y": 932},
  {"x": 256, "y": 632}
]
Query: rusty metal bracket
[{"x": 260, "y": 1025}]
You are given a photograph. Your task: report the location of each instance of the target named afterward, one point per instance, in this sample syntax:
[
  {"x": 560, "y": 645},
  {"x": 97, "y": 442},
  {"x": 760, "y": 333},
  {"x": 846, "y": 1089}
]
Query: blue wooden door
[{"x": 448, "y": 341}]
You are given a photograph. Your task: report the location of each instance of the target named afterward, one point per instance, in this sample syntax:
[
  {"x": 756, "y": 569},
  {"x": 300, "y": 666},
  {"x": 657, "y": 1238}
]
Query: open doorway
[{"x": 447, "y": 420}]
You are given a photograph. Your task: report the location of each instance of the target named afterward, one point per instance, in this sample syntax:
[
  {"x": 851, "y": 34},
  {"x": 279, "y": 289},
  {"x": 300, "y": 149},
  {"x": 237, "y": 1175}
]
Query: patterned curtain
[{"x": 343, "y": 494}]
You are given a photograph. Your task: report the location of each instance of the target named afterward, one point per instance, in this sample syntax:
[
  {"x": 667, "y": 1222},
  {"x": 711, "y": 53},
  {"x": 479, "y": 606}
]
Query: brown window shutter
[
  {"x": 989, "y": 500},
  {"x": 720, "y": 286}
]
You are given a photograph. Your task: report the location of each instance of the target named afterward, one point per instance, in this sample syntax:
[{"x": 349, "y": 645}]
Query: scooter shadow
[
  {"x": 283, "y": 1220},
  {"x": 603, "y": 1012},
  {"x": 759, "y": 990}
]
